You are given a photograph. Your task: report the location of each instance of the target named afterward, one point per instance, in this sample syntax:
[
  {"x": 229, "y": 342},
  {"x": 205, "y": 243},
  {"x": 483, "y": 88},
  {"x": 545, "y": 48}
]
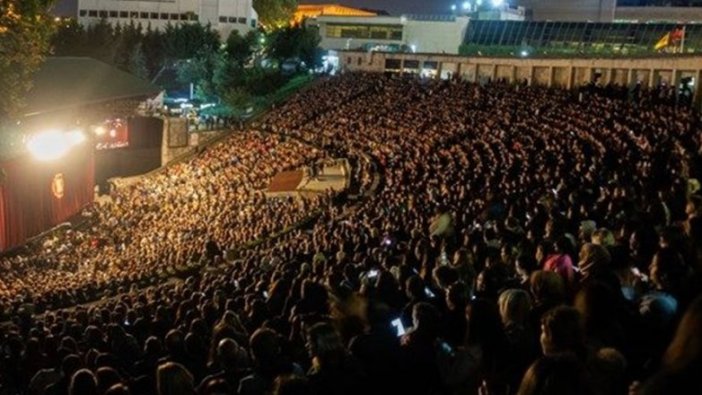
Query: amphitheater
[{"x": 529, "y": 226}]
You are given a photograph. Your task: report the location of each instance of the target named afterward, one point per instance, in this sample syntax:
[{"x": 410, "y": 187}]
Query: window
[
  {"x": 242, "y": 20},
  {"x": 183, "y": 17},
  {"x": 83, "y": 12},
  {"x": 113, "y": 14},
  {"x": 164, "y": 16},
  {"x": 154, "y": 15},
  {"x": 124, "y": 14},
  {"x": 232, "y": 19},
  {"x": 360, "y": 60},
  {"x": 348, "y": 60},
  {"x": 144, "y": 15},
  {"x": 253, "y": 23},
  {"x": 222, "y": 19},
  {"x": 134, "y": 15},
  {"x": 175, "y": 17},
  {"x": 92, "y": 13},
  {"x": 193, "y": 16},
  {"x": 378, "y": 32},
  {"x": 103, "y": 14}
]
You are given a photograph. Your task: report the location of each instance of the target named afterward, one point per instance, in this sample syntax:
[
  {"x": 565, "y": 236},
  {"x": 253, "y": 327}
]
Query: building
[
  {"x": 408, "y": 33},
  {"x": 223, "y": 15},
  {"x": 581, "y": 39},
  {"x": 316, "y": 10},
  {"x": 570, "y": 10}
]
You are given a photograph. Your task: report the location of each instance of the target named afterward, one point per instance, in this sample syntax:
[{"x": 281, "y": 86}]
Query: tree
[
  {"x": 239, "y": 49},
  {"x": 275, "y": 14},
  {"x": 137, "y": 62},
  {"x": 295, "y": 42},
  {"x": 25, "y": 30}
]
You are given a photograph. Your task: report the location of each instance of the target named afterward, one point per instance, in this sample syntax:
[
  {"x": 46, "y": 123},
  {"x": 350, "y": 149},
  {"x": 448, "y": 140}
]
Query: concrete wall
[
  {"x": 658, "y": 14},
  {"x": 562, "y": 72},
  {"x": 434, "y": 36},
  {"x": 570, "y": 10}
]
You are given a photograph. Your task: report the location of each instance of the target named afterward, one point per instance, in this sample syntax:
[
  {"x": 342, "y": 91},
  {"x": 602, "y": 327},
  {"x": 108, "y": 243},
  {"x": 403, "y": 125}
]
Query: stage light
[
  {"x": 49, "y": 145},
  {"x": 100, "y": 130},
  {"x": 453, "y": 7},
  {"x": 466, "y": 5},
  {"x": 524, "y": 53},
  {"x": 497, "y": 3},
  {"x": 75, "y": 137},
  {"x": 53, "y": 144}
]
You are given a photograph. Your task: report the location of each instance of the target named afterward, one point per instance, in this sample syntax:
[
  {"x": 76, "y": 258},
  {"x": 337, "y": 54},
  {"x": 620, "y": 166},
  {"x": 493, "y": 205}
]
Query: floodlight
[
  {"x": 524, "y": 53},
  {"x": 466, "y": 5},
  {"x": 497, "y": 3},
  {"x": 48, "y": 145},
  {"x": 100, "y": 130},
  {"x": 53, "y": 144}
]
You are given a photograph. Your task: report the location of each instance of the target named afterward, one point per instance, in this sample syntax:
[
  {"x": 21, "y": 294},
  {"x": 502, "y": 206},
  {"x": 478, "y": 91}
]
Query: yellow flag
[{"x": 663, "y": 42}]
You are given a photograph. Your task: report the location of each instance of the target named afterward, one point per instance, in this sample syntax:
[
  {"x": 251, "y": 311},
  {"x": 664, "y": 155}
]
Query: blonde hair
[{"x": 514, "y": 306}]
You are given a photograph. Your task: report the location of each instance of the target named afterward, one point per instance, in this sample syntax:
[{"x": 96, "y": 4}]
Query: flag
[
  {"x": 671, "y": 38},
  {"x": 663, "y": 42}
]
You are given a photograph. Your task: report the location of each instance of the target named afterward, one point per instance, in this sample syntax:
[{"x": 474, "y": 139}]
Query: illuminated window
[{"x": 378, "y": 32}]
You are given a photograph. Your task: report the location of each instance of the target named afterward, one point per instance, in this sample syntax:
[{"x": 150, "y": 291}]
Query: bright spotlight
[
  {"x": 466, "y": 5},
  {"x": 497, "y": 3},
  {"x": 453, "y": 7},
  {"x": 75, "y": 137},
  {"x": 524, "y": 53},
  {"x": 48, "y": 145},
  {"x": 100, "y": 130},
  {"x": 53, "y": 144}
]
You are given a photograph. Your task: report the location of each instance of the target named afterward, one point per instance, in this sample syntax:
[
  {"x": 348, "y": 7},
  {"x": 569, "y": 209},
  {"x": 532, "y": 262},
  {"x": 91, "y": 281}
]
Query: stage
[{"x": 333, "y": 175}]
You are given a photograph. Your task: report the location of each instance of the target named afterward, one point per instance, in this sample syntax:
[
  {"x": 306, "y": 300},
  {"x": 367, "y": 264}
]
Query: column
[
  {"x": 493, "y": 73},
  {"x": 571, "y": 77},
  {"x": 514, "y": 75},
  {"x": 629, "y": 76},
  {"x": 652, "y": 78},
  {"x": 531, "y": 75},
  {"x": 697, "y": 96},
  {"x": 551, "y": 70}
]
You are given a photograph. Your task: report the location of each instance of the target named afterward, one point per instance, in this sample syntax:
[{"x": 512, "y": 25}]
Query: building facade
[
  {"x": 407, "y": 33},
  {"x": 224, "y": 16}
]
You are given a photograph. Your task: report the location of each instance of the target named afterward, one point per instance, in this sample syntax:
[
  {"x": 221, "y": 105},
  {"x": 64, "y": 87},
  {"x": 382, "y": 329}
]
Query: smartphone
[
  {"x": 372, "y": 273},
  {"x": 443, "y": 258},
  {"x": 428, "y": 292},
  {"x": 397, "y": 323},
  {"x": 387, "y": 242},
  {"x": 265, "y": 294},
  {"x": 446, "y": 348}
]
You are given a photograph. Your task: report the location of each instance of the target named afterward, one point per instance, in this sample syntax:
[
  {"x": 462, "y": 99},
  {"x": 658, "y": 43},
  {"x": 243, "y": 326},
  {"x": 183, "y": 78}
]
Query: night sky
[{"x": 394, "y": 7}]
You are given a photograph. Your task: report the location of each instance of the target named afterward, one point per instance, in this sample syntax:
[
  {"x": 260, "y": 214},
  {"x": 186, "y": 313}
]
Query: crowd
[
  {"x": 521, "y": 240},
  {"x": 161, "y": 222}
]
